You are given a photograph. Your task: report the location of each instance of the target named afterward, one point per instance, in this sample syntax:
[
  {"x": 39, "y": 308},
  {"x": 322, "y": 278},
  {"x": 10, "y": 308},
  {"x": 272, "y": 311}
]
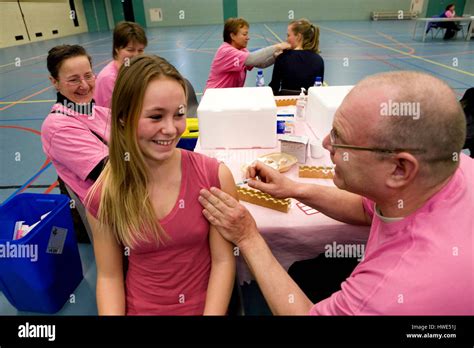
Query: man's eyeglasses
[
  {"x": 77, "y": 81},
  {"x": 333, "y": 138}
]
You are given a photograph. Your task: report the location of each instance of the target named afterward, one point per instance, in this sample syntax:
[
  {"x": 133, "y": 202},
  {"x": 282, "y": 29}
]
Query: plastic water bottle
[
  {"x": 300, "y": 106},
  {"x": 260, "y": 79},
  {"x": 318, "y": 82}
]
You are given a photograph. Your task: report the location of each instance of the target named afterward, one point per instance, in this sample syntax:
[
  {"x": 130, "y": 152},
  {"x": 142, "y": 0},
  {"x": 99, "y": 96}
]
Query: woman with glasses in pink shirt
[{"x": 75, "y": 133}]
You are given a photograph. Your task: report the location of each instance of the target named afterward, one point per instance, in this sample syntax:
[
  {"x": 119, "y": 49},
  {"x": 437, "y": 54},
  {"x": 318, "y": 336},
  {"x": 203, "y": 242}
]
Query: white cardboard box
[
  {"x": 296, "y": 146},
  {"x": 237, "y": 118},
  {"x": 321, "y": 107}
]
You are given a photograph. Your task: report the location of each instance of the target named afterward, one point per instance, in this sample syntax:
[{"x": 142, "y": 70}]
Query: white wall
[
  {"x": 11, "y": 24},
  {"x": 40, "y": 16},
  {"x": 469, "y": 8}
]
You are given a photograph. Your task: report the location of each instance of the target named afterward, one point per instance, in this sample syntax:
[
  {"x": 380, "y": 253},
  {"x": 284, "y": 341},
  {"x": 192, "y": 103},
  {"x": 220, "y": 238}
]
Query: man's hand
[
  {"x": 230, "y": 218},
  {"x": 271, "y": 180}
]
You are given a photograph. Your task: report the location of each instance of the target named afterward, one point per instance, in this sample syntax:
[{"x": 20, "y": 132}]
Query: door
[
  {"x": 128, "y": 10},
  {"x": 230, "y": 8},
  {"x": 416, "y": 6},
  {"x": 96, "y": 15}
]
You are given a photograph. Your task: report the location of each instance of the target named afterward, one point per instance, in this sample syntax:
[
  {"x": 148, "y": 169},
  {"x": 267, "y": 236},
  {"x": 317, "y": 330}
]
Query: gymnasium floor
[{"x": 351, "y": 50}]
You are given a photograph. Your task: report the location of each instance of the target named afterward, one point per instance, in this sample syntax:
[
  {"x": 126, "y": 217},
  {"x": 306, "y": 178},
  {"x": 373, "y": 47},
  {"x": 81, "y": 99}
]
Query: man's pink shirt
[{"x": 420, "y": 265}]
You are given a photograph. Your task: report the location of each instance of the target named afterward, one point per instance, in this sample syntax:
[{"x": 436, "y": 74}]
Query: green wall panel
[
  {"x": 281, "y": 10},
  {"x": 184, "y": 12},
  {"x": 90, "y": 16},
  {"x": 436, "y": 7},
  {"x": 96, "y": 15},
  {"x": 139, "y": 12},
  {"x": 230, "y": 8},
  {"x": 117, "y": 11}
]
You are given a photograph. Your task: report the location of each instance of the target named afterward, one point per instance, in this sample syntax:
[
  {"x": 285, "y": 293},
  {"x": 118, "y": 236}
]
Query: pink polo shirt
[
  {"x": 450, "y": 14},
  {"x": 71, "y": 146},
  {"x": 420, "y": 265},
  {"x": 228, "y": 68},
  {"x": 104, "y": 85}
]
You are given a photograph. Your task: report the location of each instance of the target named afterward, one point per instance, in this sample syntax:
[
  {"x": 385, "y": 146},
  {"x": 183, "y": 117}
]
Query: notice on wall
[{"x": 156, "y": 15}]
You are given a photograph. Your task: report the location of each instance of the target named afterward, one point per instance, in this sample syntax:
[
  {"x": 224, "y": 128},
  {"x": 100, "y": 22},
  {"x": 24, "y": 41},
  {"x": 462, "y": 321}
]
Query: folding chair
[
  {"x": 192, "y": 100},
  {"x": 81, "y": 210},
  {"x": 435, "y": 26},
  {"x": 438, "y": 30}
]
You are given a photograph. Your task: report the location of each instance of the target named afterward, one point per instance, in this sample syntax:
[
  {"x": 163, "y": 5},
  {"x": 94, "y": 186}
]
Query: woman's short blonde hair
[{"x": 232, "y": 26}]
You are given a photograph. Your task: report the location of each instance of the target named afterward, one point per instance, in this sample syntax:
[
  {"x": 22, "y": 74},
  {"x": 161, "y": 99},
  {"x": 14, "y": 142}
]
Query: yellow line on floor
[
  {"x": 44, "y": 55},
  {"x": 390, "y": 38},
  {"x": 28, "y": 101},
  {"x": 38, "y": 101},
  {"x": 355, "y": 37},
  {"x": 274, "y": 34},
  {"x": 23, "y": 60}
]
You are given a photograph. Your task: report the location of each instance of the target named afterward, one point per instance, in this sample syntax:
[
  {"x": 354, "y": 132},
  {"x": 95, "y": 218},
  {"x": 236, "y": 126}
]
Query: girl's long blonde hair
[
  {"x": 309, "y": 32},
  {"x": 125, "y": 206}
]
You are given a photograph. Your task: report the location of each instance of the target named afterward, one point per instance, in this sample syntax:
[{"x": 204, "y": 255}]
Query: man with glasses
[{"x": 395, "y": 143}]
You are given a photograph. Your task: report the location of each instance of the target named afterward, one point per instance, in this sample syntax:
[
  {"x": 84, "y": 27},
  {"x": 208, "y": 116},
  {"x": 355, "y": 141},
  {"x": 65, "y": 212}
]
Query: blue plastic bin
[{"x": 41, "y": 283}]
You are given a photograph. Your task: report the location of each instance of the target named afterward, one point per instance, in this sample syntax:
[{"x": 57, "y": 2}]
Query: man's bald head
[{"x": 412, "y": 110}]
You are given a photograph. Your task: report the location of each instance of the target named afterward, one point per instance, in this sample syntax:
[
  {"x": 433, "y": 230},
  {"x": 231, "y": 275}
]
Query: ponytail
[
  {"x": 313, "y": 43},
  {"x": 309, "y": 32}
]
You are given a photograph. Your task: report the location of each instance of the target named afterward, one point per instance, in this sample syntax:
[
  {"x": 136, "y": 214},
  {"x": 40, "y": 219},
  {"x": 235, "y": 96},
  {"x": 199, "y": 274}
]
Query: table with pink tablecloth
[{"x": 302, "y": 233}]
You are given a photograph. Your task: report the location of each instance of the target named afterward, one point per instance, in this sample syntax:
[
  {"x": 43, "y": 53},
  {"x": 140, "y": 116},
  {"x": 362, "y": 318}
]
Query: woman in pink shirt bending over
[
  {"x": 129, "y": 41},
  {"x": 232, "y": 59},
  {"x": 145, "y": 205}
]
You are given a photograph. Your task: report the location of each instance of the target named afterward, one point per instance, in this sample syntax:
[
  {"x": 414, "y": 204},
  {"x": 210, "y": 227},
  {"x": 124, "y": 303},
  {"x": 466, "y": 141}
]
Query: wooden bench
[{"x": 391, "y": 15}]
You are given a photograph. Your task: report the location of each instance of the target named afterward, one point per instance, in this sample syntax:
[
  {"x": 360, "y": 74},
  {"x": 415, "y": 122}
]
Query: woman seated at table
[
  {"x": 129, "y": 41},
  {"x": 146, "y": 200},
  {"x": 75, "y": 132},
  {"x": 451, "y": 27},
  {"x": 300, "y": 66},
  {"x": 232, "y": 59}
]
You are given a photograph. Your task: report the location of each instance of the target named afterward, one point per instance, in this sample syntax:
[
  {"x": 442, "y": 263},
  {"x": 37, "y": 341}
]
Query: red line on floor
[
  {"x": 23, "y": 128},
  {"x": 42, "y": 90},
  {"x": 384, "y": 61},
  {"x": 25, "y": 98},
  {"x": 46, "y": 162},
  {"x": 51, "y": 188}
]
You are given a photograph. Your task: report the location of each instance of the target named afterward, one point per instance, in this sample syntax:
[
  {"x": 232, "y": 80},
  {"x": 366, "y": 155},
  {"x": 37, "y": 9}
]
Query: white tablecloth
[{"x": 300, "y": 234}]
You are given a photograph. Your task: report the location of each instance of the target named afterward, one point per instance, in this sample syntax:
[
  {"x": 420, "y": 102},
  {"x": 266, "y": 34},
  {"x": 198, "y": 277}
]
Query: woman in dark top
[{"x": 300, "y": 66}]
